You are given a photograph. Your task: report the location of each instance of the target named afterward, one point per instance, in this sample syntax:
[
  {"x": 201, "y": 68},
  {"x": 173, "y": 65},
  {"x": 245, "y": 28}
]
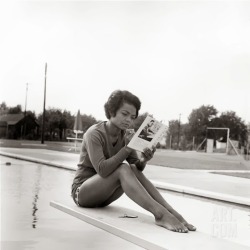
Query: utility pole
[
  {"x": 179, "y": 128},
  {"x": 44, "y": 102},
  {"x": 26, "y": 99},
  {"x": 25, "y": 107}
]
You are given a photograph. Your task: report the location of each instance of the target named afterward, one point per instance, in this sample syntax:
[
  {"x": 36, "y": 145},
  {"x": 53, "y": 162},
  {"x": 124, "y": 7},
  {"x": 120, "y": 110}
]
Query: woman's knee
[
  {"x": 125, "y": 169},
  {"x": 136, "y": 171}
]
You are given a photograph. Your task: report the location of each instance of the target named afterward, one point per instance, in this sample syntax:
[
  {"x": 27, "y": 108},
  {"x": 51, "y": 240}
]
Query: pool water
[{"x": 29, "y": 222}]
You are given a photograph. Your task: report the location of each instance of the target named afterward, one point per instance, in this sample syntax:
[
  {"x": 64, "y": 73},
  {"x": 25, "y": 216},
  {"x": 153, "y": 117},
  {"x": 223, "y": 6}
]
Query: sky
[{"x": 174, "y": 55}]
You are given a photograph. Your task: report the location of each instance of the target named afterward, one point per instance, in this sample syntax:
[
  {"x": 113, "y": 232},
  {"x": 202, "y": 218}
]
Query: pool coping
[{"x": 159, "y": 184}]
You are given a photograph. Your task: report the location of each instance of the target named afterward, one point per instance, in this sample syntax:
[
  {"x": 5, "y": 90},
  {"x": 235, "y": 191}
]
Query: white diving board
[{"x": 142, "y": 230}]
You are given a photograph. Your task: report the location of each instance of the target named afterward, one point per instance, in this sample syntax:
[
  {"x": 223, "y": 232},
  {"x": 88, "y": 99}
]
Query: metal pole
[
  {"x": 227, "y": 141},
  {"x": 26, "y": 99},
  {"x": 76, "y": 141},
  {"x": 24, "y": 129},
  {"x": 179, "y": 127},
  {"x": 44, "y": 102}
]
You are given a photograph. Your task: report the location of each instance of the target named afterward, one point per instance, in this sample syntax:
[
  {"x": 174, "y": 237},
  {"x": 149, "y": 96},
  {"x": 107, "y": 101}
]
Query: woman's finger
[{"x": 147, "y": 153}]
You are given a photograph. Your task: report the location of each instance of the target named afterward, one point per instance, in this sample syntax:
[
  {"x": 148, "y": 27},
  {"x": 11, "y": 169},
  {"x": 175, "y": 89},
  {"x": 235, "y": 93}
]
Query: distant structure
[{"x": 17, "y": 126}]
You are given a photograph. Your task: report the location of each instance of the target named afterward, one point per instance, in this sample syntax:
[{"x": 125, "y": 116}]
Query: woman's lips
[{"x": 126, "y": 125}]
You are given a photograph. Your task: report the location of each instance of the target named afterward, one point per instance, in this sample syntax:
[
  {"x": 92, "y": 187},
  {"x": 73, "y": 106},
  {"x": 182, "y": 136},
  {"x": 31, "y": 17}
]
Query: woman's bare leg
[
  {"x": 97, "y": 191},
  {"x": 158, "y": 197}
]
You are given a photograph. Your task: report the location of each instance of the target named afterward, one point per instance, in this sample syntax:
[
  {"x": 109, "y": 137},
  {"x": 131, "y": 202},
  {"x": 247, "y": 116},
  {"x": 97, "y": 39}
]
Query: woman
[{"x": 103, "y": 176}]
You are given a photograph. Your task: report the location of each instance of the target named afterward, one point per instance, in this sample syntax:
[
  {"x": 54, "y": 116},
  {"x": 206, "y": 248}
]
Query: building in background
[{"x": 18, "y": 126}]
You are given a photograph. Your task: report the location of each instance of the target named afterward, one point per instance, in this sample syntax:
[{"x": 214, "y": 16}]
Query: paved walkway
[{"x": 201, "y": 183}]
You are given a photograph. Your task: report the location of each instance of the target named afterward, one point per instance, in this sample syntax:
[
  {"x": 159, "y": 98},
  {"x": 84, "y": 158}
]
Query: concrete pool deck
[{"x": 195, "y": 182}]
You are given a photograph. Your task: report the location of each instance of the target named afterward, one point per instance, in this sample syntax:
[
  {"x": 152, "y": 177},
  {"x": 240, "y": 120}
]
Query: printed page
[{"x": 148, "y": 135}]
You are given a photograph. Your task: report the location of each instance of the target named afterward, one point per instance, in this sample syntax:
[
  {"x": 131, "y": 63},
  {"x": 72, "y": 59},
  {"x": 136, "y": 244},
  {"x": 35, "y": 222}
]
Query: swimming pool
[{"x": 28, "y": 222}]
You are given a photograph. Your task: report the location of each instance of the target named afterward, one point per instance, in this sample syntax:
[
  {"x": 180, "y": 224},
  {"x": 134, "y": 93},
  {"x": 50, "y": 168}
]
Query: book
[{"x": 149, "y": 134}]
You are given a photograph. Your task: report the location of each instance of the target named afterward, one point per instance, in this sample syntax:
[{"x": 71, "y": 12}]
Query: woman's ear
[{"x": 112, "y": 114}]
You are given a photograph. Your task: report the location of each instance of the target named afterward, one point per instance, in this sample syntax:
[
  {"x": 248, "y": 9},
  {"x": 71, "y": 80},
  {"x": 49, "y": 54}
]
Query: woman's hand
[{"x": 147, "y": 154}]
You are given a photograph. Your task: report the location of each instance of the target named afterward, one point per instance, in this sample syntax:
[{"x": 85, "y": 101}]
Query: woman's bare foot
[
  {"x": 171, "y": 223},
  {"x": 190, "y": 227}
]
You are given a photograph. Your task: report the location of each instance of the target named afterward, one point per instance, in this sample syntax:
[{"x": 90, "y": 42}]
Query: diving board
[{"x": 141, "y": 230}]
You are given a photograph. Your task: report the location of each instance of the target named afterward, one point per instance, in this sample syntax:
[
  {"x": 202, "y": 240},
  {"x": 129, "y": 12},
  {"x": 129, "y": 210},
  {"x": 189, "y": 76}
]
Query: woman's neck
[{"x": 112, "y": 129}]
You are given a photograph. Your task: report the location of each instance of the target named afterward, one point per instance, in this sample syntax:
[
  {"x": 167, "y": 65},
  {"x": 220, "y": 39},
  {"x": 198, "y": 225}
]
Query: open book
[{"x": 148, "y": 135}]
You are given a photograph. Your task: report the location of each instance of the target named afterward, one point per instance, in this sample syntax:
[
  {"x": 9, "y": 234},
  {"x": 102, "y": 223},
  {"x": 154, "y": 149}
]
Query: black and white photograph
[
  {"x": 125, "y": 125},
  {"x": 148, "y": 131}
]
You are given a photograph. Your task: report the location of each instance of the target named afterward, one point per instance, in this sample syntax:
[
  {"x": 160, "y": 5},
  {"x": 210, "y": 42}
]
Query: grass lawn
[
  {"x": 242, "y": 175},
  {"x": 166, "y": 158},
  {"x": 197, "y": 161}
]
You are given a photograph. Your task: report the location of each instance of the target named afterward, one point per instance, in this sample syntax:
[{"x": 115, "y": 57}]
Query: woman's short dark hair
[{"x": 117, "y": 99}]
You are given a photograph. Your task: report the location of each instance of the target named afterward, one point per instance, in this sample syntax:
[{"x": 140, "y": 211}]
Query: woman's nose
[{"x": 129, "y": 119}]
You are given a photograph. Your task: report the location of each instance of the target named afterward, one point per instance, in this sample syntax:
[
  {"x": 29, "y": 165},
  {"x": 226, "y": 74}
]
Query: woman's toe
[{"x": 191, "y": 227}]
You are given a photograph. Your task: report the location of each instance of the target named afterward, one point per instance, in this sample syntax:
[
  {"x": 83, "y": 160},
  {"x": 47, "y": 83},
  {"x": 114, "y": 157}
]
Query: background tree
[
  {"x": 30, "y": 130},
  {"x": 3, "y": 108},
  {"x": 51, "y": 123},
  {"x": 31, "y": 114},
  {"x": 15, "y": 110},
  {"x": 229, "y": 119},
  {"x": 65, "y": 121},
  {"x": 57, "y": 121},
  {"x": 87, "y": 121},
  {"x": 172, "y": 135},
  {"x": 187, "y": 142},
  {"x": 199, "y": 120}
]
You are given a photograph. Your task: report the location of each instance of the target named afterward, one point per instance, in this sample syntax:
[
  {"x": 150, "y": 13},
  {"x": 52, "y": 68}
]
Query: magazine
[{"x": 148, "y": 135}]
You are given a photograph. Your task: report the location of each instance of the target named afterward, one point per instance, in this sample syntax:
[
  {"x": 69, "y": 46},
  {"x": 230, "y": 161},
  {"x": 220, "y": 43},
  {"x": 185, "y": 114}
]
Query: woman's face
[{"x": 125, "y": 116}]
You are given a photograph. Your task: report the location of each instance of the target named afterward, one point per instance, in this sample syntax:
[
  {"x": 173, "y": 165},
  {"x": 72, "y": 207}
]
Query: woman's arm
[{"x": 101, "y": 164}]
